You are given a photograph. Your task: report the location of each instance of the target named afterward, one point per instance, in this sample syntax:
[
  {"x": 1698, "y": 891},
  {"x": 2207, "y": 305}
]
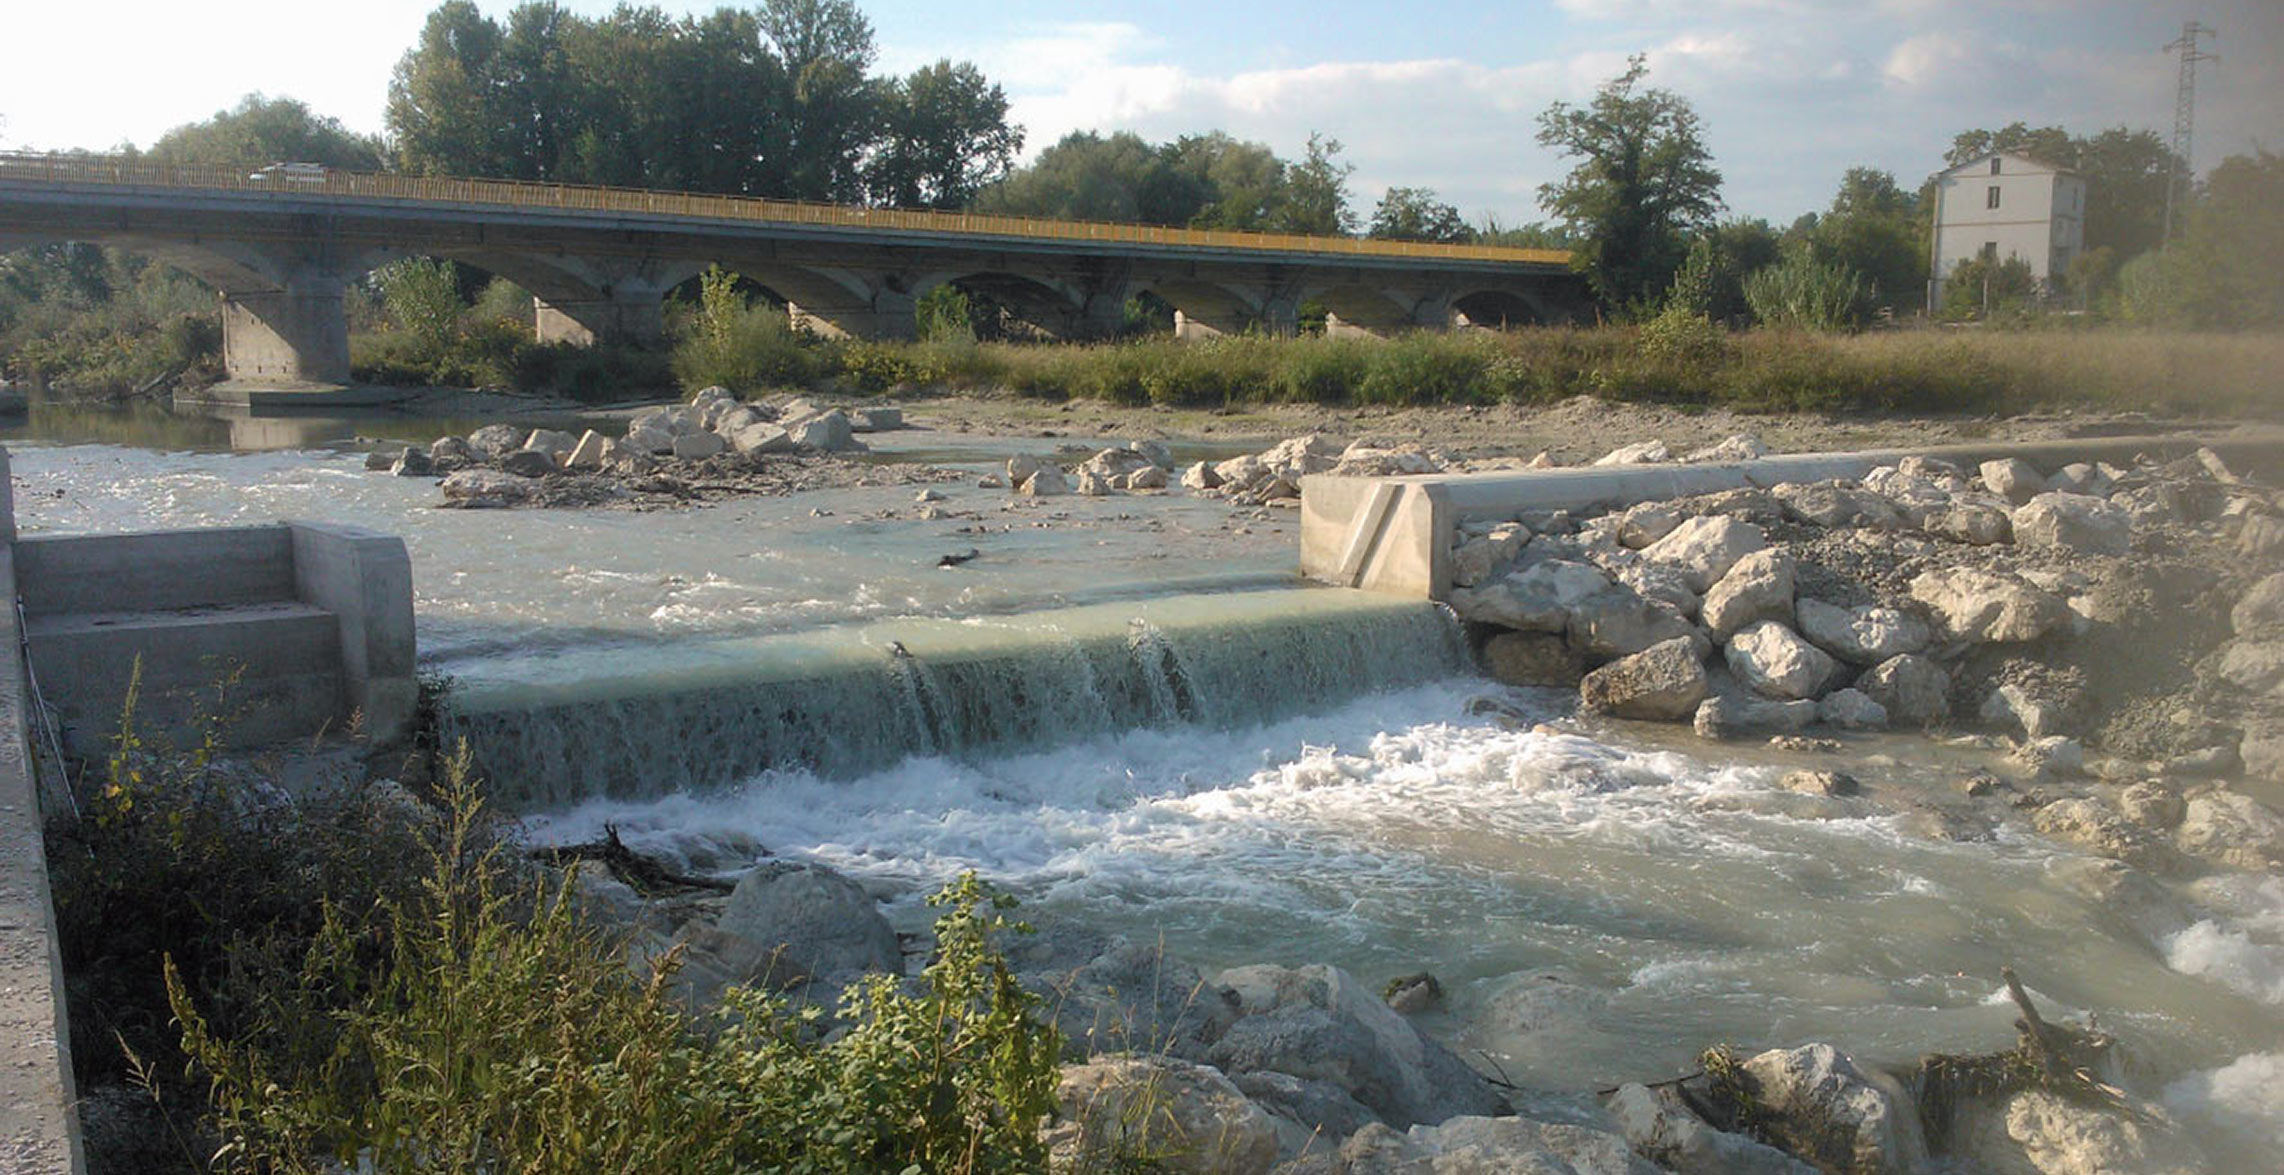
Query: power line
[{"x": 2190, "y": 47}]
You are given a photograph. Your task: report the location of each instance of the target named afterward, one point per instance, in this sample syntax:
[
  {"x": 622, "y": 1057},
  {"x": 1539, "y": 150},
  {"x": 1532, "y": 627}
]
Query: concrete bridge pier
[
  {"x": 882, "y": 312},
  {"x": 293, "y": 335},
  {"x": 1378, "y": 314},
  {"x": 1278, "y": 316}
]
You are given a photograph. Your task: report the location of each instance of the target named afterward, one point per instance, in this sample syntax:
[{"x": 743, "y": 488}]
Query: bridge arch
[
  {"x": 1204, "y": 308},
  {"x": 1498, "y": 309},
  {"x": 1041, "y": 307}
]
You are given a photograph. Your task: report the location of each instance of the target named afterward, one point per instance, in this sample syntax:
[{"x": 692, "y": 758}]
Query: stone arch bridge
[{"x": 282, "y": 243}]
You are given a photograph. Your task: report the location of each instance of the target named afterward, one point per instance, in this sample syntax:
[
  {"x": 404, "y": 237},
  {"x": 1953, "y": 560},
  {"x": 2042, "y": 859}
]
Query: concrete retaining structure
[{"x": 1394, "y": 534}]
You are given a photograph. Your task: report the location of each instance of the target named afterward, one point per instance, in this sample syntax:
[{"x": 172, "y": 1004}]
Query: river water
[{"x": 1601, "y": 902}]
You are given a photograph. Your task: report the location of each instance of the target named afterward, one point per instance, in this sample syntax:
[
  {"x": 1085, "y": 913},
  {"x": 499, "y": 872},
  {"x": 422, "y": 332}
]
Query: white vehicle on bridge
[{"x": 292, "y": 173}]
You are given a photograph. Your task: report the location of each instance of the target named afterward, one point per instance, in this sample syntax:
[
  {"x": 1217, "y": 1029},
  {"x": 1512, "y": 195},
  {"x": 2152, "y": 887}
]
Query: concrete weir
[{"x": 1395, "y": 534}]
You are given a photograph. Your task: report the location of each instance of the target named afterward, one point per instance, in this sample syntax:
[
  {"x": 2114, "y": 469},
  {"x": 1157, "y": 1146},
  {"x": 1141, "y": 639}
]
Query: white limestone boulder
[
  {"x": 1539, "y": 598},
  {"x": 1914, "y": 690},
  {"x": 697, "y": 446},
  {"x": 1757, "y": 587},
  {"x": 1047, "y": 481},
  {"x": 1864, "y": 635},
  {"x": 2013, "y": 478},
  {"x": 1775, "y": 662},
  {"x": 1704, "y": 549},
  {"x": 2075, "y": 522},
  {"x": 1815, "y": 1103},
  {"x": 1663, "y": 683},
  {"x": 1188, "y": 1118},
  {"x": 1971, "y": 604}
]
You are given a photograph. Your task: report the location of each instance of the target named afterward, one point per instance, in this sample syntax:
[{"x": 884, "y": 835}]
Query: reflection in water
[{"x": 222, "y": 428}]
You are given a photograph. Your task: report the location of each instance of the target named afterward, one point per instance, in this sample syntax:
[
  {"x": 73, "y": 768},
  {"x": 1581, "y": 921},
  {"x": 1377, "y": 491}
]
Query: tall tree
[
  {"x": 832, "y": 106},
  {"x": 947, "y": 139},
  {"x": 1644, "y": 180},
  {"x": 1236, "y": 184},
  {"x": 2047, "y": 144},
  {"x": 1316, "y": 193},
  {"x": 261, "y": 130},
  {"x": 1873, "y": 230},
  {"x": 1414, "y": 214},
  {"x": 446, "y": 109}
]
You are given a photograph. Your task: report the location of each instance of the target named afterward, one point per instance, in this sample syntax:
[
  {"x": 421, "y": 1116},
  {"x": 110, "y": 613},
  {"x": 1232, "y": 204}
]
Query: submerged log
[{"x": 646, "y": 875}]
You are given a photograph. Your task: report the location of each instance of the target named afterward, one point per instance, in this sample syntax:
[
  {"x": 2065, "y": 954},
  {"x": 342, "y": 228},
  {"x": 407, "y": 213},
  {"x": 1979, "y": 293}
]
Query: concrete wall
[
  {"x": 2040, "y": 217},
  {"x": 1395, "y": 534},
  {"x": 364, "y": 578}
]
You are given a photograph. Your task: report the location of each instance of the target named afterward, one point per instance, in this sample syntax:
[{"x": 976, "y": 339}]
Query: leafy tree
[
  {"x": 1644, "y": 180},
  {"x": 1982, "y": 287},
  {"x": 2050, "y": 145},
  {"x": 947, "y": 139},
  {"x": 2227, "y": 270},
  {"x": 1538, "y": 234},
  {"x": 1873, "y": 231},
  {"x": 1804, "y": 292},
  {"x": 831, "y": 107},
  {"x": 1711, "y": 280},
  {"x": 1237, "y": 184},
  {"x": 1414, "y": 214},
  {"x": 1316, "y": 193},
  {"x": 1085, "y": 176},
  {"x": 261, "y": 130}
]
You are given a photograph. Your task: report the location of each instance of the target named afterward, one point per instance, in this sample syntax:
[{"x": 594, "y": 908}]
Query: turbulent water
[{"x": 1601, "y": 904}]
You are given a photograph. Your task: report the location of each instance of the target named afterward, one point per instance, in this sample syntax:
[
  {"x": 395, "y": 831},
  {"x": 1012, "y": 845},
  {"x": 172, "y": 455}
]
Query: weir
[{"x": 840, "y": 702}]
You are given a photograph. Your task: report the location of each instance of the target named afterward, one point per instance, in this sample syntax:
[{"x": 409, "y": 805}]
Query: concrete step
[
  {"x": 287, "y": 656},
  {"x": 156, "y": 570}
]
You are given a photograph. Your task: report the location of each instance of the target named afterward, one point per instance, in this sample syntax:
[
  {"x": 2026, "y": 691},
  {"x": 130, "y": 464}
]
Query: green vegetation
[{"x": 1209, "y": 181}]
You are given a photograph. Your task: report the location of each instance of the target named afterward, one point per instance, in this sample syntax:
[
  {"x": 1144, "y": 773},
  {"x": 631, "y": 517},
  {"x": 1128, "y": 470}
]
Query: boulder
[
  {"x": 1776, "y": 663},
  {"x": 2233, "y": 829},
  {"x": 1533, "y": 658},
  {"x": 733, "y": 417},
  {"x": 1047, "y": 482},
  {"x": 553, "y": 442},
  {"x": 2088, "y": 825},
  {"x": 412, "y": 461},
  {"x": 1093, "y": 484},
  {"x": 1662, "y": 1128},
  {"x": 1368, "y": 460},
  {"x": 1741, "y": 447},
  {"x": 1704, "y": 549},
  {"x": 450, "y": 453},
  {"x": 1311, "y": 1116},
  {"x": 1296, "y": 457},
  {"x": 1813, "y": 1102},
  {"x": 2013, "y": 478},
  {"x": 2076, "y": 522},
  {"x": 1638, "y": 453},
  {"x": 1539, "y": 598},
  {"x": 1972, "y": 523},
  {"x": 697, "y": 446},
  {"x": 1757, "y": 587},
  {"x": 2262, "y": 607},
  {"x": 1186, "y": 1118},
  {"x": 487, "y": 487},
  {"x": 1654, "y": 582},
  {"x": 2261, "y": 538},
  {"x": 827, "y": 432},
  {"x": 1617, "y": 622},
  {"x": 1020, "y": 468},
  {"x": 1663, "y": 683},
  {"x": 762, "y": 438},
  {"x": 1132, "y": 997},
  {"x": 1974, "y": 605},
  {"x": 1913, "y": 494},
  {"x": 1114, "y": 464},
  {"x": 2078, "y": 477},
  {"x": 1149, "y": 477},
  {"x": 1476, "y": 558},
  {"x": 527, "y": 463},
  {"x": 2014, "y": 707},
  {"x": 1737, "y": 716},
  {"x": 1861, "y": 636},
  {"x": 591, "y": 453},
  {"x": 2152, "y": 805},
  {"x": 1851, "y": 709},
  {"x": 1200, "y": 476},
  {"x": 712, "y": 393},
  {"x": 1490, "y": 1146},
  {"x": 494, "y": 441},
  {"x": 1242, "y": 473},
  {"x": 378, "y": 461},
  {"x": 1914, "y": 690},
  {"x": 2038, "y": 1133},
  {"x": 878, "y": 420},
  {"x": 1319, "y": 1023},
  {"x": 1833, "y": 504},
  {"x": 1646, "y": 523},
  {"x": 1820, "y": 783},
  {"x": 787, "y": 924},
  {"x": 647, "y": 440}
]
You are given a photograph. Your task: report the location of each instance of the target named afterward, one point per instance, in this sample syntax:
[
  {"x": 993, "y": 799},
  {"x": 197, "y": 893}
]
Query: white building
[{"x": 2007, "y": 205}]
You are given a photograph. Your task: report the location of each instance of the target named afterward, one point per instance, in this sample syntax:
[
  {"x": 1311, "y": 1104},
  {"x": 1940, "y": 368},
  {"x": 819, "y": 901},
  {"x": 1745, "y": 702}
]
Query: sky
[{"x": 1438, "y": 94}]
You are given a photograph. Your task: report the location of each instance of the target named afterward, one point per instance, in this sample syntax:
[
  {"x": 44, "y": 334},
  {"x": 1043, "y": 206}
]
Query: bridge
[{"x": 281, "y": 244}]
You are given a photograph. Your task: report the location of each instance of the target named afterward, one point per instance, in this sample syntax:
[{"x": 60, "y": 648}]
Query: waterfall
[{"x": 639, "y": 720}]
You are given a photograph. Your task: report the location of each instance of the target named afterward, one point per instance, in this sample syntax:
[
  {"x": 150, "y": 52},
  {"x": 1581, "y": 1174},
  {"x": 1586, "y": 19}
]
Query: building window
[
  {"x": 1994, "y": 170},
  {"x": 1990, "y": 250},
  {"x": 1991, "y": 198}
]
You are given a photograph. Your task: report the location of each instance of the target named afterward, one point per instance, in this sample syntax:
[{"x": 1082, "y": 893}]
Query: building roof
[{"x": 2033, "y": 161}]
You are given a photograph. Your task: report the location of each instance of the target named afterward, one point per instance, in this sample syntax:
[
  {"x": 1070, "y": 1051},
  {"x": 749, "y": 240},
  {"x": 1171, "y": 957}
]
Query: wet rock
[
  {"x": 1539, "y": 598},
  {"x": 2254, "y": 666},
  {"x": 2076, "y": 522},
  {"x": 1757, "y": 587},
  {"x": 1149, "y": 477},
  {"x": 2091, "y": 826},
  {"x": 2124, "y": 893},
  {"x": 1976, "y": 605},
  {"x": 413, "y": 461},
  {"x": 697, "y": 446},
  {"x": 1969, "y": 522},
  {"x": 1861, "y": 636},
  {"x": 1639, "y": 453},
  {"x": 494, "y": 441},
  {"x": 449, "y": 453},
  {"x": 1704, "y": 549},
  {"x": 2039, "y": 1133},
  {"x": 1046, "y": 482},
  {"x": 1020, "y": 468},
  {"x": 1851, "y": 709},
  {"x": 527, "y": 463},
  {"x": 2262, "y": 607},
  {"x": 1662, "y": 1129},
  {"x": 2232, "y": 829},
  {"x": 1820, "y": 783},
  {"x": 1816, "y": 1104},
  {"x": 1318, "y": 1023},
  {"x": 2014, "y": 479},
  {"x": 1132, "y": 997},
  {"x": 1914, "y": 690},
  {"x": 2051, "y": 754},
  {"x": 1477, "y": 1144},
  {"x": 787, "y": 923},
  {"x": 1663, "y": 683},
  {"x": 1415, "y": 993},
  {"x": 378, "y": 461},
  {"x": 1533, "y": 659},
  {"x": 1616, "y": 622},
  {"x": 1646, "y": 523},
  {"x": 1093, "y": 484},
  {"x": 1775, "y": 662},
  {"x": 1736, "y": 717},
  {"x": 1187, "y": 1118},
  {"x": 1200, "y": 476},
  {"x": 2014, "y": 707},
  {"x": 2152, "y": 805}
]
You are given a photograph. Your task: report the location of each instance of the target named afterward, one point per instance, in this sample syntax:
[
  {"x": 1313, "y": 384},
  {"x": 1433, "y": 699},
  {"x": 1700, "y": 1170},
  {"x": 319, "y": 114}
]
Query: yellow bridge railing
[{"x": 99, "y": 169}]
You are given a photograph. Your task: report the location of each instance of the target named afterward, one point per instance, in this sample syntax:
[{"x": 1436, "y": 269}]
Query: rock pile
[{"x": 1272, "y": 477}]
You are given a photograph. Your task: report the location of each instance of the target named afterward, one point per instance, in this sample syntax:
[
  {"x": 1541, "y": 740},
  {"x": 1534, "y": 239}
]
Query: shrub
[
  {"x": 1799, "y": 292},
  {"x": 739, "y": 345},
  {"x": 1423, "y": 368}
]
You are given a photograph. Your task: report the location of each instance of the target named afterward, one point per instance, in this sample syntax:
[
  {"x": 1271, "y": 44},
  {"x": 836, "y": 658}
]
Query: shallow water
[{"x": 1600, "y": 904}]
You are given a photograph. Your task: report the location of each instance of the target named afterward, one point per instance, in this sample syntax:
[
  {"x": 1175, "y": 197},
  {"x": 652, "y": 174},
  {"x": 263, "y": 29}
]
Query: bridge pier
[
  {"x": 1277, "y": 316},
  {"x": 635, "y": 316},
  {"x": 891, "y": 314},
  {"x": 293, "y": 335}
]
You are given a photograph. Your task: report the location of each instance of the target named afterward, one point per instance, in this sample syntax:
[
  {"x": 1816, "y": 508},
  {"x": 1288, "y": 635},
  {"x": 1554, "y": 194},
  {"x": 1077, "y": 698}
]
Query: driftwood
[
  {"x": 645, "y": 874},
  {"x": 2057, "y": 1058}
]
